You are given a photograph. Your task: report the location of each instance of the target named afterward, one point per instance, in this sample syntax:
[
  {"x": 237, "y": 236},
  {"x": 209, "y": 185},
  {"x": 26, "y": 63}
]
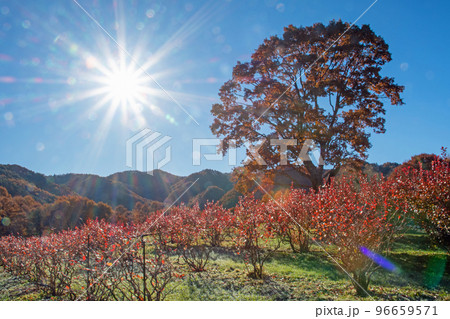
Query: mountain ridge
[{"x": 127, "y": 188}]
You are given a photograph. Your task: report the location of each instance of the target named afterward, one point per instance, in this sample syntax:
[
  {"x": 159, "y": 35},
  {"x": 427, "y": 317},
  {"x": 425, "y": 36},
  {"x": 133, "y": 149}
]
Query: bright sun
[{"x": 123, "y": 86}]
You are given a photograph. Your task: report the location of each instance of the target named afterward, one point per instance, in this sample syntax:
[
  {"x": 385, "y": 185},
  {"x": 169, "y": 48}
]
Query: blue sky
[{"x": 58, "y": 110}]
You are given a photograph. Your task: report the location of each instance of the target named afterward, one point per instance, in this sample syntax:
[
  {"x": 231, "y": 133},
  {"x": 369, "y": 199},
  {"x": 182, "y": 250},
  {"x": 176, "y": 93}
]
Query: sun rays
[
  {"x": 119, "y": 85},
  {"x": 94, "y": 87}
]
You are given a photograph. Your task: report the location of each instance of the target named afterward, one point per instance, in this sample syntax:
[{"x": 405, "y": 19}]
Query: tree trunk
[
  {"x": 298, "y": 241},
  {"x": 315, "y": 174},
  {"x": 361, "y": 283},
  {"x": 304, "y": 245}
]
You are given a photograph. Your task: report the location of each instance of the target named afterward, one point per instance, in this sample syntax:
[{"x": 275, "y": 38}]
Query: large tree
[{"x": 321, "y": 84}]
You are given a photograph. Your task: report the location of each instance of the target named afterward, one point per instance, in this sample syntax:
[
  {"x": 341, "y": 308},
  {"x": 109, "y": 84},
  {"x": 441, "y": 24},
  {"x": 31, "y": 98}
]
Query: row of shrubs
[{"x": 354, "y": 218}]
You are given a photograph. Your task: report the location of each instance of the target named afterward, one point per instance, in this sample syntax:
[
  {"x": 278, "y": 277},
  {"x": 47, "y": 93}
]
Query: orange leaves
[
  {"x": 425, "y": 188},
  {"x": 359, "y": 213},
  {"x": 347, "y": 77}
]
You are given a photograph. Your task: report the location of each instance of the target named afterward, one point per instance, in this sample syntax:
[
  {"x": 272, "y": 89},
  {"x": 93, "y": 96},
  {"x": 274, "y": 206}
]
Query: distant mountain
[
  {"x": 154, "y": 187},
  {"x": 230, "y": 199},
  {"x": 99, "y": 189},
  {"x": 185, "y": 189},
  {"x": 129, "y": 187},
  {"x": 156, "y": 190},
  {"x": 211, "y": 193},
  {"x": 371, "y": 169},
  {"x": 20, "y": 181}
]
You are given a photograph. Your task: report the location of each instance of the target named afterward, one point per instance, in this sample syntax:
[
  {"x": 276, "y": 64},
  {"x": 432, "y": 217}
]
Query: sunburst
[{"x": 124, "y": 86}]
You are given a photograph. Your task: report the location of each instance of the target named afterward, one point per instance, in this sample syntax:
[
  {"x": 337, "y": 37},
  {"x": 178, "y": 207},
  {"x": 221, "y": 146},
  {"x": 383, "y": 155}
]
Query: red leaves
[
  {"x": 348, "y": 213},
  {"x": 254, "y": 234},
  {"x": 59, "y": 262},
  {"x": 425, "y": 189},
  {"x": 360, "y": 212}
]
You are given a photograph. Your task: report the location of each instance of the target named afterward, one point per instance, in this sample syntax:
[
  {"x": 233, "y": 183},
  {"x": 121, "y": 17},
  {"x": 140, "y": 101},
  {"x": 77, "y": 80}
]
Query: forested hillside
[{"x": 32, "y": 203}]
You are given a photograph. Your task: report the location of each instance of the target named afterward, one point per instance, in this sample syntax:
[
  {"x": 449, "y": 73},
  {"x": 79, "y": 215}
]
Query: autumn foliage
[
  {"x": 294, "y": 217},
  {"x": 353, "y": 218},
  {"x": 426, "y": 188},
  {"x": 321, "y": 83},
  {"x": 189, "y": 232},
  {"x": 255, "y": 238},
  {"x": 73, "y": 263},
  {"x": 357, "y": 215}
]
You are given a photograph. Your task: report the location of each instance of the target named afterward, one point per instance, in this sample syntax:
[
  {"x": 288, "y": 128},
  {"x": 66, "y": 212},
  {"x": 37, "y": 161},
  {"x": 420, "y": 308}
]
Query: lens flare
[
  {"x": 435, "y": 271},
  {"x": 380, "y": 260}
]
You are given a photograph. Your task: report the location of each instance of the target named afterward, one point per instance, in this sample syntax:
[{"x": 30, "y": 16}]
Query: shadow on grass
[
  {"x": 217, "y": 285},
  {"x": 414, "y": 241},
  {"x": 313, "y": 262}
]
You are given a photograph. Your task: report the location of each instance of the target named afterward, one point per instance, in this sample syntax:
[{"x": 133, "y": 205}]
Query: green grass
[
  {"x": 313, "y": 276},
  {"x": 12, "y": 288},
  {"x": 424, "y": 275}
]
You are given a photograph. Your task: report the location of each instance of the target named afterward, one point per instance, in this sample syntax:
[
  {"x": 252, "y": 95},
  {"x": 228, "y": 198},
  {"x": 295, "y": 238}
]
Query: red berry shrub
[
  {"x": 356, "y": 215},
  {"x": 99, "y": 261},
  {"x": 49, "y": 262},
  {"x": 293, "y": 215},
  {"x": 189, "y": 232},
  {"x": 218, "y": 222},
  {"x": 427, "y": 192},
  {"x": 255, "y": 238}
]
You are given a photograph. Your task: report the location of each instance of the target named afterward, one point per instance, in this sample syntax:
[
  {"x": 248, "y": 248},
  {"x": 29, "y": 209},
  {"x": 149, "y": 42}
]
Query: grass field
[{"x": 424, "y": 275}]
